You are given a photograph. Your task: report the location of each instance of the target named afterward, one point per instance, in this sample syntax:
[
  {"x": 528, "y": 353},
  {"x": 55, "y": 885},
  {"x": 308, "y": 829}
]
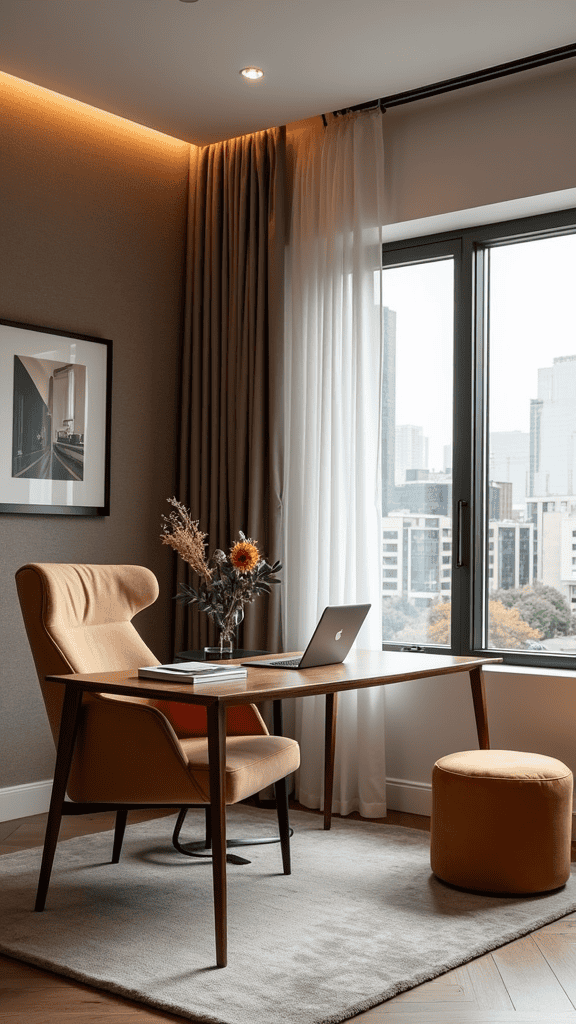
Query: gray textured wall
[
  {"x": 488, "y": 144},
  {"x": 92, "y": 231}
]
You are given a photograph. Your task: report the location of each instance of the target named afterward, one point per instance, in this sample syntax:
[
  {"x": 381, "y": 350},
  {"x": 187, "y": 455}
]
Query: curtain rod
[{"x": 512, "y": 67}]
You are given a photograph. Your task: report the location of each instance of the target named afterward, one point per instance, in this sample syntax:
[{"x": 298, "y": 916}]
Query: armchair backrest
[{"x": 78, "y": 619}]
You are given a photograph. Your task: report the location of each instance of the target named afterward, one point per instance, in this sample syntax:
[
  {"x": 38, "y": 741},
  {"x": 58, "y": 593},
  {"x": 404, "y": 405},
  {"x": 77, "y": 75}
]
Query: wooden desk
[{"x": 361, "y": 669}]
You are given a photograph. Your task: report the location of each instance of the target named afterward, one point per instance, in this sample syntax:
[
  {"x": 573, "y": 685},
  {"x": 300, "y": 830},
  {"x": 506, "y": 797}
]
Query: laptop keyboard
[{"x": 288, "y": 663}]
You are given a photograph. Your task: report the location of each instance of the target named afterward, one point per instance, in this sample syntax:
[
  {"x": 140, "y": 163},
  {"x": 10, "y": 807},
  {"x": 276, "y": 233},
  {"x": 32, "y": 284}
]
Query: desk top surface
[{"x": 360, "y": 669}]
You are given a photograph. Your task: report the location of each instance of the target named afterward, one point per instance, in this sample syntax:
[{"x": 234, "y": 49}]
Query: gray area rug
[{"x": 360, "y": 919}]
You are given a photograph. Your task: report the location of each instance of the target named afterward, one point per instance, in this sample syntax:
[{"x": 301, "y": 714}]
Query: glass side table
[{"x": 237, "y": 652}]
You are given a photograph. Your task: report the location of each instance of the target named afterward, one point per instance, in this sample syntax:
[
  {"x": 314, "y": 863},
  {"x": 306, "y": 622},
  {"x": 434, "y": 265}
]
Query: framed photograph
[{"x": 55, "y": 394}]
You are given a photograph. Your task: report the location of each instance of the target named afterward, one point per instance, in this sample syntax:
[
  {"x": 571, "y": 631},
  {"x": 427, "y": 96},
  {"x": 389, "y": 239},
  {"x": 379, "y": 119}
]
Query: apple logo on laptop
[{"x": 338, "y": 634}]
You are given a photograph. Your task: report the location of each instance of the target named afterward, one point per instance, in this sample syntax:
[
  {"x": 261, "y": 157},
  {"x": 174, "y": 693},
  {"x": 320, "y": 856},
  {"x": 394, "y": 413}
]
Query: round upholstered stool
[{"x": 501, "y": 821}]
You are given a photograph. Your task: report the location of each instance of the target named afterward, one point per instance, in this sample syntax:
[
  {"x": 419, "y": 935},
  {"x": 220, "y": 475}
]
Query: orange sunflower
[{"x": 244, "y": 556}]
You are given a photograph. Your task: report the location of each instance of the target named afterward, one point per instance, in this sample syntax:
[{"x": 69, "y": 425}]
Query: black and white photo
[{"x": 56, "y": 409}]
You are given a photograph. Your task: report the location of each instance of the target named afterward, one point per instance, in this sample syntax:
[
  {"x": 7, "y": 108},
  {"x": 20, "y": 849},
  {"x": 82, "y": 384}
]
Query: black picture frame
[{"x": 55, "y": 421}]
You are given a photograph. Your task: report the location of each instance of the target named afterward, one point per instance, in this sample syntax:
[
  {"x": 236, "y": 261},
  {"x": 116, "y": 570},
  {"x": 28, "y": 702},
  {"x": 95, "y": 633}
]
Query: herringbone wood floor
[{"x": 530, "y": 981}]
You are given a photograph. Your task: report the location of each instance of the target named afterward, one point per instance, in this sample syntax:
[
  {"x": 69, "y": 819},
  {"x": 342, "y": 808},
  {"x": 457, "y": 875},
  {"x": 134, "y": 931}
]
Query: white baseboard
[
  {"x": 416, "y": 798},
  {"x": 412, "y": 797},
  {"x": 23, "y": 801},
  {"x": 401, "y": 795}
]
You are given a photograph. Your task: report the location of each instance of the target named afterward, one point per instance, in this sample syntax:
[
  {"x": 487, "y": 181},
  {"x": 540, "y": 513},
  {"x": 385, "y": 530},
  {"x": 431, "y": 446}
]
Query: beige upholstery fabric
[
  {"x": 252, "y": 763},
  {"x": 501, "y": 821},
  {"x": 78, "y": 619},
  {"x": 71, "y": 631}
]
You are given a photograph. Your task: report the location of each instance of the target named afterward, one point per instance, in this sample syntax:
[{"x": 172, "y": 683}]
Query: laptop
[{"x": 333, "y": 637}]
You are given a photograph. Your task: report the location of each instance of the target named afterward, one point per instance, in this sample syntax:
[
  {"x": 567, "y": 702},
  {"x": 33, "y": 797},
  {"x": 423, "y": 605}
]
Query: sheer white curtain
[{"x": 332, "y": 472}]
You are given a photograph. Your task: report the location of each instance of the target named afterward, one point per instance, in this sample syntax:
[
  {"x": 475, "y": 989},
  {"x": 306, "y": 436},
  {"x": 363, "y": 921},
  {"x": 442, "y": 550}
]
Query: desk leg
[
  {"x": 480, "y": 711},
  {"x": 277, "y": 718},
  {"x": 329, "y": 746},
  {"x": 217, "y": 764},
  {"x": 66, "y": 739}
]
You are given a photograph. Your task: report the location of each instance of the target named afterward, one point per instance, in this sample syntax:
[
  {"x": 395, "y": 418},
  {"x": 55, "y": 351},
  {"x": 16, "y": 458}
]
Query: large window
[{"x": 479, "y": 441}]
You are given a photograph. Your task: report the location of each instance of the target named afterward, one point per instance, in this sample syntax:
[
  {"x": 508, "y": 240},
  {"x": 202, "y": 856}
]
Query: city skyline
[
  {"x": 531, "y": 467},
  {"x": 532, "y": 315},
  {"x": 424, "y": 344},
  {"x": 532, "y": 305}
]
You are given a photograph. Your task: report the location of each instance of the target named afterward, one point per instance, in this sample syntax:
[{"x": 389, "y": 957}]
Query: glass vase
[{"x": 228, "y": 624}]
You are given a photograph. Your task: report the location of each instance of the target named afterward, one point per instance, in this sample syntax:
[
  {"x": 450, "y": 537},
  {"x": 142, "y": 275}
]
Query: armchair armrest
[{"x": 127, "y": 752}]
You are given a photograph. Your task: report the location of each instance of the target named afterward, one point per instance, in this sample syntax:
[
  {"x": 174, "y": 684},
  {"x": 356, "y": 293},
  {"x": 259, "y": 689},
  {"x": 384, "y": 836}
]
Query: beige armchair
[{"x": 131, "y": 752}]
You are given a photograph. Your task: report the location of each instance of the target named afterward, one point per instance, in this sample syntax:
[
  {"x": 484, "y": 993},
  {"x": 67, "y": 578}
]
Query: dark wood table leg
[
  {"x": 281, "y": 792},
  {"x": 66, "y": 740},
  {"x": 329, "y": 746},
  {"x": 217, "y": 764},
  {"x": 277, "y": 718},
  {"x": 119, "y": 830},
  {"x": 480, "y": 711}
]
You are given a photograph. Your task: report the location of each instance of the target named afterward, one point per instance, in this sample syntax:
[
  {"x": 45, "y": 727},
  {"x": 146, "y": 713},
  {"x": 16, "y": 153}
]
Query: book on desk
[{"x": 194, "y": 672}]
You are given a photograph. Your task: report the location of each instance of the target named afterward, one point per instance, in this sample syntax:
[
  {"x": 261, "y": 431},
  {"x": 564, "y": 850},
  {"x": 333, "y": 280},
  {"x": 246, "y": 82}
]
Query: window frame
[{"x": 470, "y": 248}]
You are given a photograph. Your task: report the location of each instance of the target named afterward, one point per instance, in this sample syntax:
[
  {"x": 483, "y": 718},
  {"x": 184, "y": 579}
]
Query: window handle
[{"x": 460, "y": 541}]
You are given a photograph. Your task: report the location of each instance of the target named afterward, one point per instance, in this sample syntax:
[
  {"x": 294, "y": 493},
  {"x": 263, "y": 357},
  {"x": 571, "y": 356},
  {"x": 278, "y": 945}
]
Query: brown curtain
[{"x": 229, "y": 476}]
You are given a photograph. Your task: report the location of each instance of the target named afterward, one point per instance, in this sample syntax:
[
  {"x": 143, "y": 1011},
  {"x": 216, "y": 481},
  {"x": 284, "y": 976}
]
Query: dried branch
[{"x": 183, "y": 533}]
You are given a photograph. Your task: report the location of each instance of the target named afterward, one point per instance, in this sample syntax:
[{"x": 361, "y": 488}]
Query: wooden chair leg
[
  {"x": 119, "y": 830},
  {"x": 281, "y": 789},
  {"x": 71, "y": 709}
]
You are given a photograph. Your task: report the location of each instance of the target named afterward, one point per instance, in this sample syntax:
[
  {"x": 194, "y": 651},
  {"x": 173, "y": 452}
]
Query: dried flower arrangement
[{"x": 227, "y": 582}]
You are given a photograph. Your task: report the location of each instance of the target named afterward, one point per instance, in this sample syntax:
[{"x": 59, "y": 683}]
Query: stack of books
[{"x": 194, "y": 672}]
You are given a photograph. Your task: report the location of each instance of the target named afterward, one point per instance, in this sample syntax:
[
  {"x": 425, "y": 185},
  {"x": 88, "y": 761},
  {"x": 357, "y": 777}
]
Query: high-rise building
[
  {"x": 553, "y": 546},
  {"x": 447, "y": 458},
  {"x": 420, "y": 494},
  {"x": 554, "y": 526},
  {"x": 510, "y": 461},
  {"x": 510, "y": 555},
  {"x": 417, "y": 558},
  {"x": 553, "y": 430},
  {"x": 388, "y": 408},
  {"x": 411, "y": 451},
  {"x": 500, "y": 499}
]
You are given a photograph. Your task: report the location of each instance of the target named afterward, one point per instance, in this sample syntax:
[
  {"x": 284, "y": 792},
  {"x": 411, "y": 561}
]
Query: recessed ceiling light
[{"x": 252, "y": 73}]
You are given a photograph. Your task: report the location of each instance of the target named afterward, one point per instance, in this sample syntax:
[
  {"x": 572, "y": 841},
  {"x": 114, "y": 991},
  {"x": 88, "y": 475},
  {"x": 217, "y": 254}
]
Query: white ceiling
[{"x": 174, "y": 66}]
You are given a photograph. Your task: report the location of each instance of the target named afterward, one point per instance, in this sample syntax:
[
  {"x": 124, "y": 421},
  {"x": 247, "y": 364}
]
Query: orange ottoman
[{"x": 501, "y": 821}]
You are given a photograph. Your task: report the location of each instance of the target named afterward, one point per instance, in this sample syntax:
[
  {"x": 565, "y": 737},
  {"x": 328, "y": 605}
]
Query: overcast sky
[
  {"x": 422, "y": 299},
  {"x": 532, "y": 320}
]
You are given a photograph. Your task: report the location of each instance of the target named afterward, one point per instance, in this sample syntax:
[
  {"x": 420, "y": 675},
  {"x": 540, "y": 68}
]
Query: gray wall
[
  {"x": 487, "y": 144},
  {"x": 92, "y": 231}
]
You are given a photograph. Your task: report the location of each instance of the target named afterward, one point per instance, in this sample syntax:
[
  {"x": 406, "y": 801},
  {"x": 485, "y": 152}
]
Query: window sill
[{"x": 530, "y": 670}]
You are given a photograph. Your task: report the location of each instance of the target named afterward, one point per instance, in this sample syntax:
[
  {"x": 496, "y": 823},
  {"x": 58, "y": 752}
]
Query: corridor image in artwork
[{"x": 49, "y": 419}]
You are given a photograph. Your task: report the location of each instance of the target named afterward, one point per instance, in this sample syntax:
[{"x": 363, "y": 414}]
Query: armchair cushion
[{"x": 252, "y": 763}]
